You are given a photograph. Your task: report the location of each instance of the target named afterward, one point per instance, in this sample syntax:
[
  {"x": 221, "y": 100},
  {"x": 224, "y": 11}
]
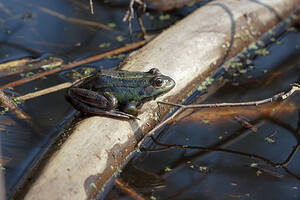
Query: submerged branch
[
  {"x": 211, "y": 149},
  {"x": 9, "y": 105},
  {"x": 75, "y": 20},
  {"x": 218, "y": 149},
  {"x": 291, "y": 156},
  {"x": 125, "y": 188},
  {"x": 23, "y": 65}
]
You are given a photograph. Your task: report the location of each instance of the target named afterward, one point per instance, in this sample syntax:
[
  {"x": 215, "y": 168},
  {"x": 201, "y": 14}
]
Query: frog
[{"x": 118, "y": 93}]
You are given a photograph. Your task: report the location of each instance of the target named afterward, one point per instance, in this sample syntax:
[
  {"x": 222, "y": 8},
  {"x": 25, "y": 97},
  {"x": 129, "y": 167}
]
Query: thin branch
[
  {"x": 6, "y": 102},
  {"x": 218, "y": 149},
  {"x": 10, "y": 106},
  {"x": 81, "y": 62},
  {"x": 75, "y": 20},
  {"x": 280, "y": 96},
  {"x": 128, "y": 190},
  {"x": 213, "y": 105},
  {"x": 45, "y": 91},
  {"x": 295, "y": 88},
  {"x": 130, "y": 15},
  {"x": 272, "y": 173},
  {"x": 152, "y": 132},
  {"x": 212, "y": 149},
  {"x": 292, "y": 154},
  {"x": 10, "y": 66},
  {"x": 91, "y": 6},
  {"x": 18, "y": 66}
]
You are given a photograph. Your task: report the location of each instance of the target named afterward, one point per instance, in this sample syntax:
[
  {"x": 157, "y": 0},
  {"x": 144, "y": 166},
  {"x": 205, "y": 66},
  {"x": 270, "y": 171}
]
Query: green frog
[{"x": 118, "y": 93}]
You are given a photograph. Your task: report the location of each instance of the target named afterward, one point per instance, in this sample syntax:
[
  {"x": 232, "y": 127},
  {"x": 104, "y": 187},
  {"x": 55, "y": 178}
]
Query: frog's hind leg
[
  {"x": 93, "y": 110},
  {"x": 94, "y": 103},
  {"x": 91, "y": 98}
]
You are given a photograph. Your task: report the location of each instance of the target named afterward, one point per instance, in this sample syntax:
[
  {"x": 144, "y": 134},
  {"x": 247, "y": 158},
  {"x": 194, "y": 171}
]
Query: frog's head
[{"x": 160, "y": 84}]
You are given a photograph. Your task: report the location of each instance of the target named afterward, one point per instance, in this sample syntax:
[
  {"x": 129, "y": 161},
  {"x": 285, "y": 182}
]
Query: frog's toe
[{"x": 122, "y": 114}]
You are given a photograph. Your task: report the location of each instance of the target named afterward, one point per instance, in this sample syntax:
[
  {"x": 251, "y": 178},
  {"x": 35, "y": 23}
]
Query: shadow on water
[
  {"x": 65, "y": 29},
  {"x": 230, "y": 153}
]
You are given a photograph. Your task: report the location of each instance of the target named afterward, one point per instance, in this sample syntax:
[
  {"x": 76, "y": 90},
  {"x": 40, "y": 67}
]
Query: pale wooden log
[{"x": 187, "y": 50}]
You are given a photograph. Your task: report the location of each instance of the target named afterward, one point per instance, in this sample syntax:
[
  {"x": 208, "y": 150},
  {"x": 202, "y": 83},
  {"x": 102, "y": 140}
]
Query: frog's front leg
[
  {"x": 92, "y": 102},
  {"x": 131, "y": 108}
]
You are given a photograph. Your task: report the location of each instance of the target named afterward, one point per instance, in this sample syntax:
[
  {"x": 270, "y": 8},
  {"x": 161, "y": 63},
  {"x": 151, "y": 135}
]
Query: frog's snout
[{"x": 170, "y": 84}]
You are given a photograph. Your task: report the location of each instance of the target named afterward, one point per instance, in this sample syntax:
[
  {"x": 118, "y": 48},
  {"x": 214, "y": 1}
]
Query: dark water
[
  {"x": 196, "y": 163},
  {"x": 66, "y": 29}
]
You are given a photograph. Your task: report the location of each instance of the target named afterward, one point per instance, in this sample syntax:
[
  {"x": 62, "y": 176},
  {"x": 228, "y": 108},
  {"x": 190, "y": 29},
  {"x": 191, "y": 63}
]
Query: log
[{"x": 187, "y": 52}]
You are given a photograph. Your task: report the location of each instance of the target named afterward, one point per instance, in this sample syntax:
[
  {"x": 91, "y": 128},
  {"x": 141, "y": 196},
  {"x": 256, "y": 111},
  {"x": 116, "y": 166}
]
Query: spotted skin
[{"x": 118, "y": 93}]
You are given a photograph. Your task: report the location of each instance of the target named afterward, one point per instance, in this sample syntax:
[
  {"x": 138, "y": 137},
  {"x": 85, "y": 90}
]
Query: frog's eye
[
  {"x": 154, "y": 71},
  {"x": 158, "y": 81}
]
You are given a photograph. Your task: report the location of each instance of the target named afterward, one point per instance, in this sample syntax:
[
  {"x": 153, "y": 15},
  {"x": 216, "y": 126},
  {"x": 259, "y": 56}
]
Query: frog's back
[
  {"x": 108, "y": 78},
  {"x": 126, "y": 86},
  {"x": 129, "y": 86}
]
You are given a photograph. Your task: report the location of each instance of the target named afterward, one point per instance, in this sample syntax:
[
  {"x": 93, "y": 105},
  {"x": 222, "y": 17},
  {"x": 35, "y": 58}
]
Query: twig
[
  {"x": 6, "y": 102},
  {"x": 10, "y": 65},
  {"x": 18, "y": 66},
  {"x": 295, "y": 88},
  {"x": 245, "y": 123},
  {"x": 279, "y": 96},
  {"x": 218, "y": 149},
  {"x": 272, "y": 173},
  {"x": 213, "y": 105},
  {"x": 288, "y": 160},
  {"x": 130, "y": 15},
  {"x": 45, "y": 91},
  {"x": 92, "y": 7},
  {"x": 75, "y": 20},
  {"x": 140, "y": 20},
  {"x": 81, "y": 62},
  {"x": 128, "y": 190},
  {"x": 9, "y": 105},
  {"x": 151, "y": 133},
  {"x": 215, "y": 149}
]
